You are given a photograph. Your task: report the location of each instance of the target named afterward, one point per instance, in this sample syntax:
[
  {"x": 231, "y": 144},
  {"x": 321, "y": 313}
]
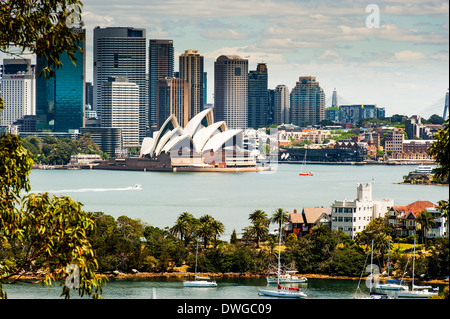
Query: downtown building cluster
[{"x": 135, "y": 89}]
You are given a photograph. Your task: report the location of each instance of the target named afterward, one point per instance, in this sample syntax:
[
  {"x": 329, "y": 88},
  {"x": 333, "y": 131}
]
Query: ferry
[{"x": 426, "y": 169}]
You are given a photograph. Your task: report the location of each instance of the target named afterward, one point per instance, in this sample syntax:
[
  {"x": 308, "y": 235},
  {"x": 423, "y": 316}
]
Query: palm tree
[
  {"x": 217, "y": 229},
  {"x": 426, "y": 221},
  {"x": 381, "y": 244},
  {"x": 279, "y": 215},
  {"x": 260, "y": 225},
  {"x": 184, "y": 226},
  {"x": 205, "y": 229}
]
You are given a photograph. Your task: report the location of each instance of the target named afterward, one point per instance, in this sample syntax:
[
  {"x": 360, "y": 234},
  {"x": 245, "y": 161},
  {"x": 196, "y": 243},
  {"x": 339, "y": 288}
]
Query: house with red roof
[{"x": 403, "y": 218}]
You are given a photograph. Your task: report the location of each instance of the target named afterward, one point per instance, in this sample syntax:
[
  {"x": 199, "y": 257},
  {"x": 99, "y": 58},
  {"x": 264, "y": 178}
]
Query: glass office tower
[
  {"x": 258, "y": 99},
  {"x": 161, "y": 61},
  {"x": 60, "y": 100},
  {"x": 121, "y": 51}
]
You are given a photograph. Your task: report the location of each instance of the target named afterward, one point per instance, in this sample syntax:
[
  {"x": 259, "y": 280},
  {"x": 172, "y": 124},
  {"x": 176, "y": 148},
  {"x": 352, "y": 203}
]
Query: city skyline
[
  {"x": 400, "y": 65},
  {"x": 390, "y": 66}
]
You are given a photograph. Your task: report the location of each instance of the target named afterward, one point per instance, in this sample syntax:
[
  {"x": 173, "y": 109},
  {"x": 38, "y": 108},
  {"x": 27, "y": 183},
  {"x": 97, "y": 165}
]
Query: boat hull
[
  {"x": 286, "y": 280},
  {"x": 282, "y": 293},
  {"x": 393, "y": 287},
  {"x": 200, "y": 284},
  {"x": 416, "y": 294}
]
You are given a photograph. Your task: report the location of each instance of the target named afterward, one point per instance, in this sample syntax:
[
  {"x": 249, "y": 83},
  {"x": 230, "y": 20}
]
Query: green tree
[
  {"x": 204, "y": 229},
  {"x": 440, "y": 149},
  {"x": 426, "y": 221},
  {"x": 184, "y": 227},
  {"x": 259, "y": 229},
  {"x": 279, "y": 217},
  {"x": 40, "y": 27}
]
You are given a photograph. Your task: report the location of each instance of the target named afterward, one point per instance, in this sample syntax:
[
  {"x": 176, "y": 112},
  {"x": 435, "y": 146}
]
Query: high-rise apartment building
[
  {"x": 173, "y": 98},
  {"x": 231, "y": 91},
  {"x": 191, "y": 69},
  {"x": 121, "y": 51},
  {"x": 258, "y": 100},
  {"x": 60, "y": 100},
  {"x": 160, "y": 66},
  {"x": 17, "y": 87},
  {"x": 307, "y": 102},
  {"x": 281, "y": 105},
  {"x": 120, "y": 108}
]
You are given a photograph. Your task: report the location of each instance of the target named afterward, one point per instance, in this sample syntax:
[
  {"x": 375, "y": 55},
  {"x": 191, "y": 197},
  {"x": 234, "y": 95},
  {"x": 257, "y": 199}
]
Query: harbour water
[{"x": 228, "y": 197}]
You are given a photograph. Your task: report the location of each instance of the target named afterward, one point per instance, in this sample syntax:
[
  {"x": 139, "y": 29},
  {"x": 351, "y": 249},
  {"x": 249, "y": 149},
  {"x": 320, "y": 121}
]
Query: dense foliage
[{"x": 51, "y": 150}]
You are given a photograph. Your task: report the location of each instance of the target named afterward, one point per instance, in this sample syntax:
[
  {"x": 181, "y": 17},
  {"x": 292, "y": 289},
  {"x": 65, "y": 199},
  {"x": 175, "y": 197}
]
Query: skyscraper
[
  {"x": 307, "y": 102},
  {"x": 60, "y": 100},
  {"x": 191, "y": 69},
  {"x": 173, "y": 98},
  {"x": 231, "y": 91},
  {"x": 334, "y": 99},
  {"x": 121, "y": 51},
  {"x": 17, "y": 87},
  {"x": 281, "y": 105},
  {"x": 161, "y": 60},
  {"x": 258, "y": 101},
  {"x": 120, "y": 108}
]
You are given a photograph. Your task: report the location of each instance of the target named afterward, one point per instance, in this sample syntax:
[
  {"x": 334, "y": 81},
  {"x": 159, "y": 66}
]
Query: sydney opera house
[{"x": 202, "y": 145}]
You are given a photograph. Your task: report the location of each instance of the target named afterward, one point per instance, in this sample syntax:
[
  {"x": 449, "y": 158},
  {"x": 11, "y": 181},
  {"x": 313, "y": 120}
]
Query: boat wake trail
[{"x": 86, "y": 190}]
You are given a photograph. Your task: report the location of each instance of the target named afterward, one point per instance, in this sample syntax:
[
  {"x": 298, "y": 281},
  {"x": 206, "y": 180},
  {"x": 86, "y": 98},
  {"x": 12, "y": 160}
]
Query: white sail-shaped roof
[
  {"x": 178, "y": 131},
  {"x": 170, "y": 124},
  {"x": 202, "y": 119},
  {"x": 147, "y": 145},
  {"x": 182, "y": 141},
  {"x": 202, "y": 136},
  {"x": 224, "y": 139}
]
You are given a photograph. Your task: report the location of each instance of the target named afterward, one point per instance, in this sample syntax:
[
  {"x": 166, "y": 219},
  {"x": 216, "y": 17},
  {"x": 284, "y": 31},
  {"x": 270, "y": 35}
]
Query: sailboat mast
[
  {"x": 196, "y": 255},
  {"x": 371, "y": 265},
  {"x": 279, "y": 250},
  {"x": 414, "y": 259},
  {"x": 389, "y": 251}
]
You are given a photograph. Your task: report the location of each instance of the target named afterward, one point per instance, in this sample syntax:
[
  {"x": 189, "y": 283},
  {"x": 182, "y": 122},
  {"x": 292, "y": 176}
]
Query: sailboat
[
  {"x": 302, "y": 173},
  {"x": 282, "y": 291},
  {"x": 372, "y": 295},
  {"x": 417, "y": 291},
  {"x": 199, "y": 282},
  {"x": 391, "y": 284}
]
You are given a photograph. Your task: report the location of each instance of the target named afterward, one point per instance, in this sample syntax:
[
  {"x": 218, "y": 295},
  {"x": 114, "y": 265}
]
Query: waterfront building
[
  {"x": 17, "y": 87},
  {"x": 60, "y": 100},
  {"x": 393, "y": 141},
  {"x": 352, "y": 216},
  {"x": 160, "y": 66},
  {"x": 281, "y": 105},
  {"x": 403, "y": 218},
  {"x": 191, "y": 69},
  {"x": 258, "y": 100},
  {"x": 307, "y": 102},
  {"x": 301, "y": 223},
  {"x": 231, "y": 91},
  {"x": 108, "y": 139},
  {"x": 121, "y": 51},
  {"x": 120, "y": 108},
  {"x": 201, "y": 143},
  {"x": 323, "y": 155},
  {"x": 415, "y": 129},
  {"x": 173, "y": 98}
]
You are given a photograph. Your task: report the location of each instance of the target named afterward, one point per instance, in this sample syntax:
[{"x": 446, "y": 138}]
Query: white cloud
[{"x": 224, "y": 35}]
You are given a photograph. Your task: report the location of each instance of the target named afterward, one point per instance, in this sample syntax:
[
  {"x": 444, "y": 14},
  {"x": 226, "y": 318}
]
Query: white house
[{"x": 352, "y": 216}]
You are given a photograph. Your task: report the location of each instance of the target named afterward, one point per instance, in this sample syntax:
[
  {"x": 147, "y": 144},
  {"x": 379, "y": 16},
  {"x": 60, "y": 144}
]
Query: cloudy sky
[{"x": 401, "y": 65}]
